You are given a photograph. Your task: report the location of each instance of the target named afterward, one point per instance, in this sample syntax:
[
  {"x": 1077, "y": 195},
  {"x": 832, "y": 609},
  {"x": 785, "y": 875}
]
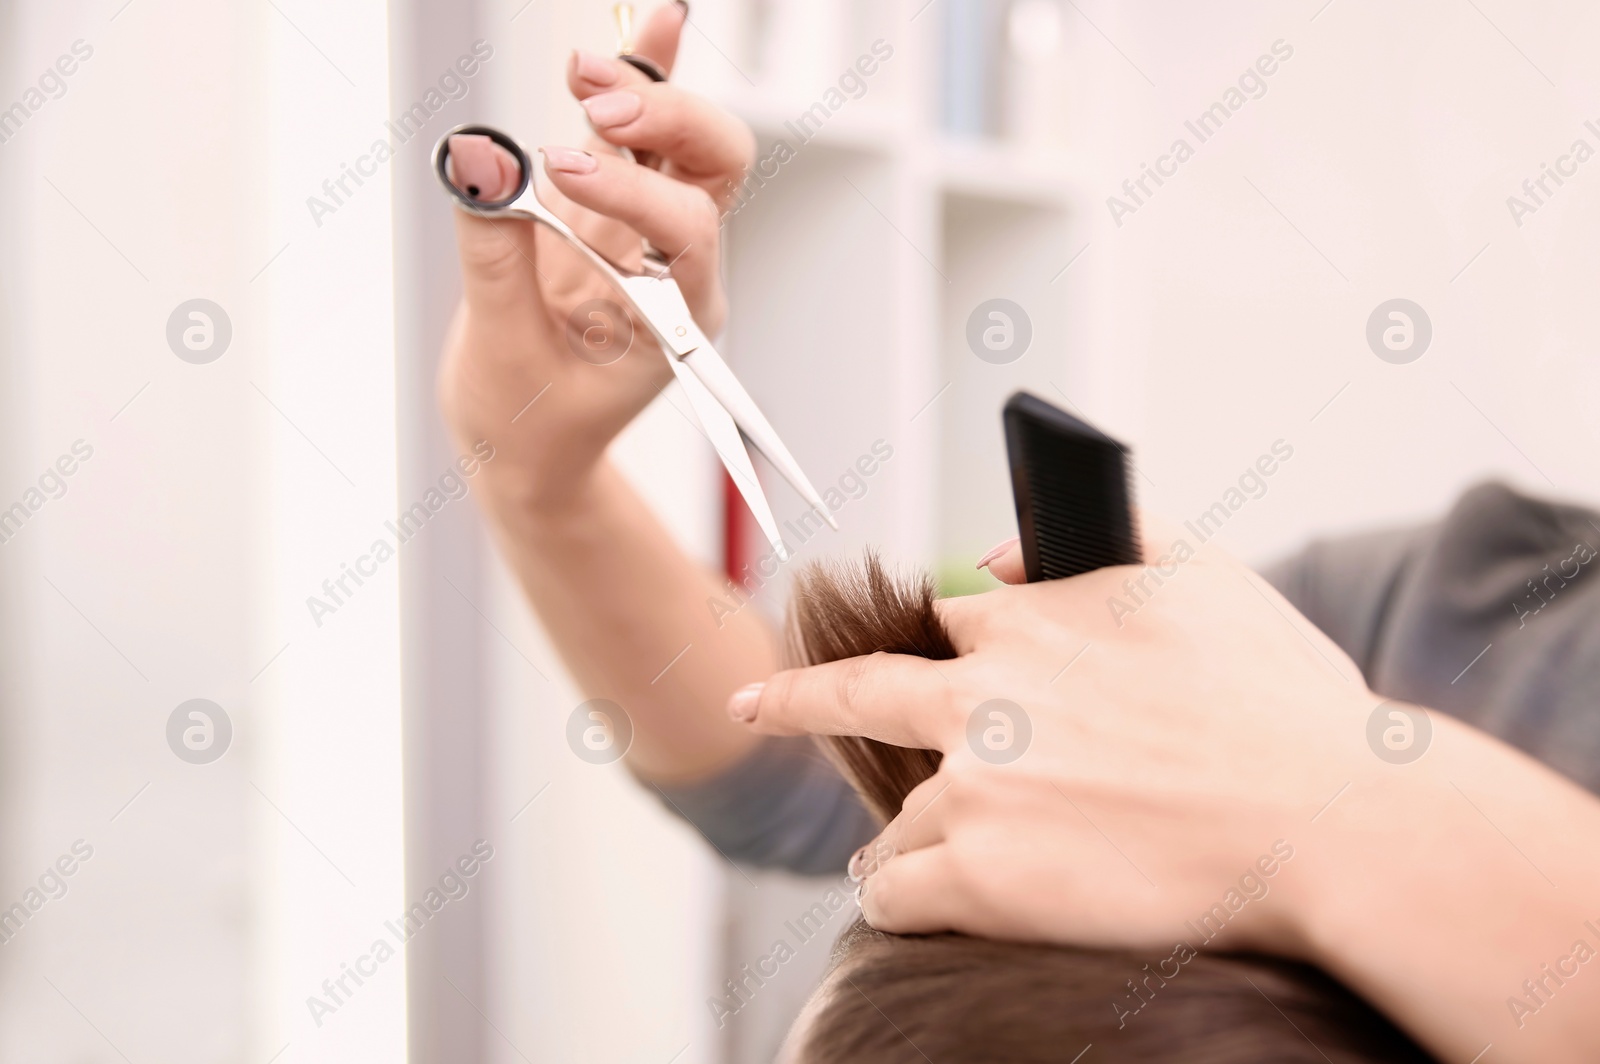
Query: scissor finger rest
[{"x": 441, "y": 166}]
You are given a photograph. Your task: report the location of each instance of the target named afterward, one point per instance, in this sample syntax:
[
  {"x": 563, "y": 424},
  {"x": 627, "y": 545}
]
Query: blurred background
[{"x": 220, "y": 310}]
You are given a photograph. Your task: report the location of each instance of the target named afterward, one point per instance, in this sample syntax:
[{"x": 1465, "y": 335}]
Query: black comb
[{"x": 1070, "y": 483}]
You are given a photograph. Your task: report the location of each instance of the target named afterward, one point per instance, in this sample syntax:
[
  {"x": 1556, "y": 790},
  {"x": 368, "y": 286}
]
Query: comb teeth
[{"x": 1073, "y": 498}]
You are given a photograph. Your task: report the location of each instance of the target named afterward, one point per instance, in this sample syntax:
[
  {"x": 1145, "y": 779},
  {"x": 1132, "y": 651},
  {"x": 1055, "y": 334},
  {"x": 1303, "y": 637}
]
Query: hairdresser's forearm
[
  {"x": 1440, "y": 888},
  {"x": 620, "y": 600}
]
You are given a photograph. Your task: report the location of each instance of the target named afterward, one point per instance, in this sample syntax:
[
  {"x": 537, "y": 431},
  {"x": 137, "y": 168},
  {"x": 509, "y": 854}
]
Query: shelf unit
[
  {"x": 854, "y": 268},
  {"x": 852, "y": 273}
]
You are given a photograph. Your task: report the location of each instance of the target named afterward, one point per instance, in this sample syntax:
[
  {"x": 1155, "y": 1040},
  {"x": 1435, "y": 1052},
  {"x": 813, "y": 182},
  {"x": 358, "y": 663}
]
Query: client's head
[{"x": 907, "y": 999}]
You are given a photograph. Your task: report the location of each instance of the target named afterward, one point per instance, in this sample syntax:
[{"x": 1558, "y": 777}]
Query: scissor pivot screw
[{"x": 682, "y": 331}]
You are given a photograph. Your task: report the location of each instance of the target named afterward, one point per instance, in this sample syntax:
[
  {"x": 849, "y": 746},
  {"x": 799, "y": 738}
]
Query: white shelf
[
  {"x": 855, "y": 127},
  {"x": 1007, "y": 172},
  {"x": 986, "y": 169}
]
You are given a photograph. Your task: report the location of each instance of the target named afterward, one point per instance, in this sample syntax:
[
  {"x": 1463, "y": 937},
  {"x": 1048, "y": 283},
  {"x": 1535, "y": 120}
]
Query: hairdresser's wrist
[
  {"x": 1365, "y": 863},
  {"x": 1429, "y": 887},
  {"x": 533, "y": 500}
]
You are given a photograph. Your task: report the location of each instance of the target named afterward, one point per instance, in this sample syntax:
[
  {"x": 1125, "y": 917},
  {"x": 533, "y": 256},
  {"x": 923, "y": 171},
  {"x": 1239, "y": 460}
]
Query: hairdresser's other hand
[
  {"x": 1116, "y": 757},
  {"x": 528, "y": 364},
  {"x": 1143, "y": 756}
]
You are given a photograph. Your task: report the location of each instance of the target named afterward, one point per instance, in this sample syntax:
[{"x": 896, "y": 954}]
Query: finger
[
  {"x": 497, "y": 254},
  {"x": 481, "y": 168},
  {"x": 967, "y": 619},
  {"x": 694, "y": 134},
  {"x": 1156, "y": 533},
  {"x": 922, "y": 819},
  {"x": 1004, "y": 562},
  {"x": 867, "y": 860},
  {"x": 914, "y": 893},
  {"x": 659, "y": 36},
  {"x": 679, "y": 220},
  {"x": 894, "y": 698},
  {"x": 589, "y": 73}
]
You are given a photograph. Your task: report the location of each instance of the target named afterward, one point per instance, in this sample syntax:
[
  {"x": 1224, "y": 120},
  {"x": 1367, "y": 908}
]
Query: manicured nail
[
  {"x": 481, "y": 168},
  {"x": 595, "y": 69},
  {"x": 867, "y": 860},
  {"x": 613, "y": 108},
  {"x": 569, "y": 160},
  {"x": 742, "y": 706},
  {"x": 995, "y": 552}
]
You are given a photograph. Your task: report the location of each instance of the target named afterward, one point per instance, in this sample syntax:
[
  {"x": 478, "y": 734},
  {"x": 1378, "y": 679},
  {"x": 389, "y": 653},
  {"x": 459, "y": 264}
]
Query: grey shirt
[{"x": 1491, "y": 615}]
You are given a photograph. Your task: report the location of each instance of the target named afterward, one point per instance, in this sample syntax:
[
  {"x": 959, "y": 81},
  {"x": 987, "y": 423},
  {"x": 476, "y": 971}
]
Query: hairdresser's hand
[
  {"x": 617, "y": 595},
  {"x": 1199, "y": 771},
  {"x": 523, "y": 334},
  {"x": 1116, "y": 758}
]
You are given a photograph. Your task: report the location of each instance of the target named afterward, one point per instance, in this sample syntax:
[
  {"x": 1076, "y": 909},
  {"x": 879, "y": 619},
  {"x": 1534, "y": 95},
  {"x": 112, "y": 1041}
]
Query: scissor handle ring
[
  {"x": 441, "y": 159},
  {"x": 645, "y": 66}
]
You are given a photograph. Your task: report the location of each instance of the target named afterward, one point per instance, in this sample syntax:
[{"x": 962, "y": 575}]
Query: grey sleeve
[
  {"x": 783, "y": 806},
  {"x": 1346, "y": 586},
  {"x": 1491, "y": 615}
]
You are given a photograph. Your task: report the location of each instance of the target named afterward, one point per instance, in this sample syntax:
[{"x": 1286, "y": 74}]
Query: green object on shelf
[{"x": 957, "y": 578}]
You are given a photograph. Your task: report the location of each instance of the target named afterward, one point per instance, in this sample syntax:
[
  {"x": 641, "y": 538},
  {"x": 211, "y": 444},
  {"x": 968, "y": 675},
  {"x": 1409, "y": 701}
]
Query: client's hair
[{"x": 907, "y": 999}]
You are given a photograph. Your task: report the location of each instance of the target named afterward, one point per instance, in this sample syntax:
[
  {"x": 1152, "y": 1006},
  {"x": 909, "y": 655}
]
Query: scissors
[{"x": 721, "y": 404}]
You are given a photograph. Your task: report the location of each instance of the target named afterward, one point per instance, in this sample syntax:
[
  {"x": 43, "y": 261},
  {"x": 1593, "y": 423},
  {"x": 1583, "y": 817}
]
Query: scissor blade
[
  {"x": 724, "y": 436},
  {"x": 721, "y": 382}
]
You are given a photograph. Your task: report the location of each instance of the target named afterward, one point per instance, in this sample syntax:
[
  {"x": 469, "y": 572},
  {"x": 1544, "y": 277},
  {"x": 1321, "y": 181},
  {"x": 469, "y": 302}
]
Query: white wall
[
  {"x": 335, "y": 845},
  {"x": 177, "y": 565},
  {"x": 1390, "y": 140},
  {"x": 137, "y": 589}
]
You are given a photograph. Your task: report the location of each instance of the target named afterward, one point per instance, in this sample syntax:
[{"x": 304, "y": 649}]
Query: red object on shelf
[{"x": 734, "y": 519}]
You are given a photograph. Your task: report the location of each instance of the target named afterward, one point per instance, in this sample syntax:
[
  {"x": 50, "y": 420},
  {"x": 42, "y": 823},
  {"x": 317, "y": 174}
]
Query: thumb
[
  {"x": 658, "y": 37},
  {"x": 1004, "y": 561},
  {"x": 497, "y": 267}
]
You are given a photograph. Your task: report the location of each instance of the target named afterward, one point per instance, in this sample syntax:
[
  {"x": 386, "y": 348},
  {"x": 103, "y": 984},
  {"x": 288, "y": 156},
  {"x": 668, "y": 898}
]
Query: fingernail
[
  {"x": 867, "y": 860},
  {"x": 861, "y": 896},
  {"x": 613, "y": 108},
  {"x": 481, "y": 168},
  {"x": 595, "y": 69},
  {"x": 684, "y": 4},
  {"x": 569, "y": 160},
  {"x": 742, "y": 706},
  {"x": 995, "y": 552}
]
